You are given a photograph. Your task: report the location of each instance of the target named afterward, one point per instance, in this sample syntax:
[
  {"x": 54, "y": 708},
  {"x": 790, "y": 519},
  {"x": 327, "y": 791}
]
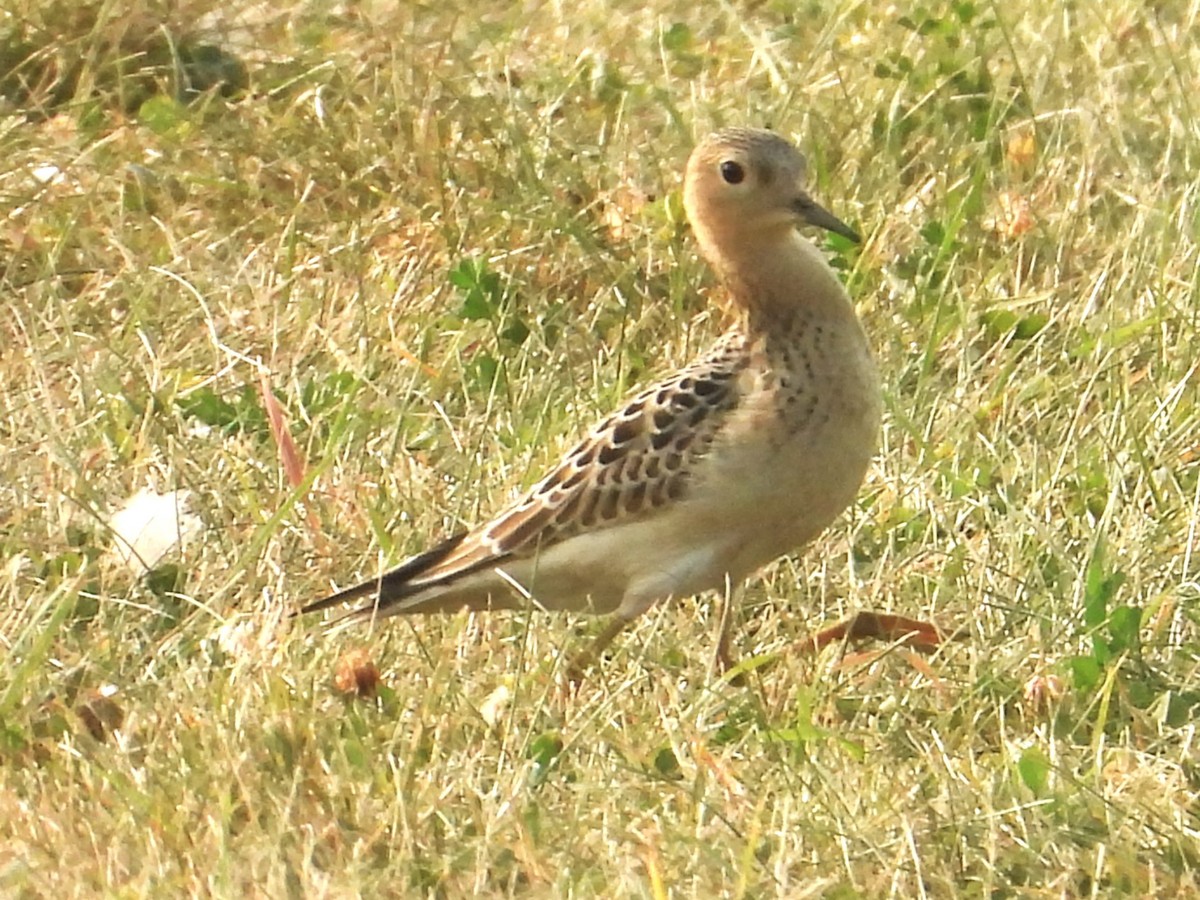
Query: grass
[{"x": 425, "y": 246}]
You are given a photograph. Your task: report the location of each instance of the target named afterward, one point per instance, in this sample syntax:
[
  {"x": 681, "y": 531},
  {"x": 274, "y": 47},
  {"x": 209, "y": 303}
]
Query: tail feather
[
  {"x": 342, "y": 596},
  {"x": 394, "y": 585}
]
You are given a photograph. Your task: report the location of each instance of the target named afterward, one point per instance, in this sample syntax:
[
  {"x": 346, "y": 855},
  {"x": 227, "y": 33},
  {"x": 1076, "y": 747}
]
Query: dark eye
[{"x": 732, "y": 172}]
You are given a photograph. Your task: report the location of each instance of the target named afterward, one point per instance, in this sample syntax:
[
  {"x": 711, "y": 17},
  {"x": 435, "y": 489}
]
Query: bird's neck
[{"x": 776, "y": 281}]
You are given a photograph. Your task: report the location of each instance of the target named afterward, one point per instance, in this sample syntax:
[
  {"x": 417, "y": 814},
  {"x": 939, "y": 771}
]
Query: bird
[{"x": 742, "y": 456}]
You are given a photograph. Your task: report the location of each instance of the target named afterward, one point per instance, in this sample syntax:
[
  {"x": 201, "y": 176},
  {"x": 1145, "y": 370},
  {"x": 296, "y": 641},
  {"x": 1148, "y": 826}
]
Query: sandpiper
[{"x": 740, "y": 457}]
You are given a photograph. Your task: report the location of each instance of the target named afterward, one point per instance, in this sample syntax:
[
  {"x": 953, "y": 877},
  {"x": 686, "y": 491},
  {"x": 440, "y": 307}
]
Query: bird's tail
[{"x": 394, "y": 586}]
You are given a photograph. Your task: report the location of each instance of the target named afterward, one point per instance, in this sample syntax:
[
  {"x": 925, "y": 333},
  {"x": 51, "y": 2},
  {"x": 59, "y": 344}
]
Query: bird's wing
[{"x": 635, "y": 462}]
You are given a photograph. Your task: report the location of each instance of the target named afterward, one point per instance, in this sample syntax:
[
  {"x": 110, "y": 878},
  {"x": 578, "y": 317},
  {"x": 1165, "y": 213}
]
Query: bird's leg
[
  {"x": 583, "y": 660},
  {"x": 723, "y": 658}
]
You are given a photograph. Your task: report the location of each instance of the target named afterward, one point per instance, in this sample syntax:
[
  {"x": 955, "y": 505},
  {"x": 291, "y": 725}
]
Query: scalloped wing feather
[{"x": 634, "y": 463}]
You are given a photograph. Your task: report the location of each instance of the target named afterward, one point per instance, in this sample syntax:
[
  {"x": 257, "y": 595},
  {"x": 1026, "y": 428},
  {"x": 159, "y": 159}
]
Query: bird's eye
[{"x": 732, "y": 172}]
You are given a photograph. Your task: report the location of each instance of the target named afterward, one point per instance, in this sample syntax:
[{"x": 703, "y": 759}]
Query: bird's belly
[
  {"x": 781, "y": 493},
  {"x": 671, "y": 555}
]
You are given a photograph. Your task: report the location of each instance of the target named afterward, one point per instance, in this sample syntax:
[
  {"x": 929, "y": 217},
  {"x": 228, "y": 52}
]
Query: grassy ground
[{"x": 423, "y": 247}]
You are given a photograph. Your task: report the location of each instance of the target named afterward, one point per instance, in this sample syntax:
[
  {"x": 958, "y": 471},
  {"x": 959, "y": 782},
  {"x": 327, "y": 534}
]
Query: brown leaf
[
  {"x": 293, "y": 468},
  {"x": 357, "y": 674},
  {"x": 289, "y": 456},
  {"x": 1021, "y": 151},
  {"x": 619, "y": 209},
  {"x": 1012, "y": 216},
  {"x": 1041, "y": 692},
  {"x": 100, "y": 713},
  {"x": 718, "y": 769}
]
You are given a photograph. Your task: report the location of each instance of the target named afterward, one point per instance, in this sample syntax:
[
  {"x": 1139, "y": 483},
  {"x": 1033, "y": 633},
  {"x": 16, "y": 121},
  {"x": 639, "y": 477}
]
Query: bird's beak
[{"x": 813, "y": 213}]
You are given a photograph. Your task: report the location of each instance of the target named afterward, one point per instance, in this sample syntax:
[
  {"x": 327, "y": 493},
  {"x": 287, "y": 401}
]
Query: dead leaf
[
  {"x": 289, "y": 456},
  {"x": 1041, "y": 691},
  {"x": 729, "y": 783},
  {"x": 1021, "y": 151},
  {"x": 492, "y": 709},
  {"x": 293, "y": 468},
  {"x": 100, "y": 713},
  {"x": 1012, "y": 215},
  {"x": 619, "y": 208},
  {"x": 357, "y": 674}
]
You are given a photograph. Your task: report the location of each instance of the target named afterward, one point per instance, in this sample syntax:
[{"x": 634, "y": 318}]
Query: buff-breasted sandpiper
[{"x": 740, "y": 457}]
